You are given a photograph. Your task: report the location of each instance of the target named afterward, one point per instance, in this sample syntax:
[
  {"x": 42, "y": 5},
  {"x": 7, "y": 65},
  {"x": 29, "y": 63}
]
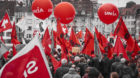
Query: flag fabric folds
[
  {"x": 28, "y": 63},
  {"x": 79, "y": 34},
  {"x": 60, "y": 32},
  {"x": 88, "y": 48},
  {"x": 73, "y": 39},
  {"x": 46, "y": 41},
  {"x": 101, "y": 38},
  {"x": 14, "y": 50},
  {"x": 119, "y": 48},
  {"x": 122, "y": 31},
  {"x": 14, "y": 39},
  {"x": 56, "y": 64}
]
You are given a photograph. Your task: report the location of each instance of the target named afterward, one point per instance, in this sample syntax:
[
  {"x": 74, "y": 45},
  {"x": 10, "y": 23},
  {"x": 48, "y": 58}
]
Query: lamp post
[
  {"x": 135, "y": 25},
  {"x": 136, "y": 20}
]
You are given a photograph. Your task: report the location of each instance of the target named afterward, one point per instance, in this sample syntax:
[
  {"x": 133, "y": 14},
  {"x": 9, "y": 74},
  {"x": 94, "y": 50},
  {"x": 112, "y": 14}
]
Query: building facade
[
  {"x": 131, "y": 18},
  {"x": 86, "y": 16}
]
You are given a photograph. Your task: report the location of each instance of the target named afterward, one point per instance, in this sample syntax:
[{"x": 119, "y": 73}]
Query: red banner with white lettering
[{"x": 30, "y": 62}]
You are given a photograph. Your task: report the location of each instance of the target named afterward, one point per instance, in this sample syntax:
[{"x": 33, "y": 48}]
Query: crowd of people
[{"x": 84, "y": 66}]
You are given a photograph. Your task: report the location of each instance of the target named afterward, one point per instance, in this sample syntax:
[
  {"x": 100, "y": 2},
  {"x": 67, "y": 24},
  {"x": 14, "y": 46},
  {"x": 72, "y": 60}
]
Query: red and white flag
[
  {"x": 5, "y": 23},
  {"x": 65, "y": 29},
  {"x": 30, "y": 62}
]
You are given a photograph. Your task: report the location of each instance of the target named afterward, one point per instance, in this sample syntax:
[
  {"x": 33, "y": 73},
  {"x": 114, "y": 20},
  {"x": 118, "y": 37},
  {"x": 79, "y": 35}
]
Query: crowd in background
[{"x": 83, "y": 66}]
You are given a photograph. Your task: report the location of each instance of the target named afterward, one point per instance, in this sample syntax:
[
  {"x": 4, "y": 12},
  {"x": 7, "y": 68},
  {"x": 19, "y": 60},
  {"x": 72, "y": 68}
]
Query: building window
[
  {"x": 29, "y": 28},
  {"x": 133, "y": 17},
  {"x": 132, "y": 22},
  {"x": 2, "y": 34},
  {"x": 30, "y": 14},
  {"x": 8, "y": 33},
  {"x": 8, "y": 41},
  {"x": 128, "y": 17},
  {"x": 133, "y": 29},
  {"x": 128, "y": 23},
  {"x": 29, "y": 21},
  {"x": 125, "y": 17},
  {"x": 29, "y": 36}
]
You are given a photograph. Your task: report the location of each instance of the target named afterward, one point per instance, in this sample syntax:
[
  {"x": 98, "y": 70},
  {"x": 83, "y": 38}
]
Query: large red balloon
[
  {"x": 64, "y": 12},
  {"x": 108, "y": 13},
  {"x": 42, "y": 8}
]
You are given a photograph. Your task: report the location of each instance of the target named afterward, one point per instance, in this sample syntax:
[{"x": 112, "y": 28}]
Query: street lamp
[{"x": 136, "y": 19}]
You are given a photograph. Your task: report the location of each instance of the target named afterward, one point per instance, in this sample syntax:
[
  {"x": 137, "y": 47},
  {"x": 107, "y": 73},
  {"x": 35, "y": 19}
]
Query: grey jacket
[{"x": 72, "y": 74}]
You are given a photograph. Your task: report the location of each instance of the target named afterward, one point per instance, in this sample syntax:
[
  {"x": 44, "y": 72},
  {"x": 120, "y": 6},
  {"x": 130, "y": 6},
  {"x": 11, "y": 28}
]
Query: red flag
[
  {"x": 14, "y": 39},
  {"x": 79, "y": 34},
  {"x": 63, "y": 53},
  {"x": 5, "y": 23},
  {"x": 55, "y": 38},
  {"x": 30, "y": 62},
  {"x": 110, "y": 51},
  {"x": 65, "y": 29},
  {"x": 60, "y": 32},
  {"x": 60, "y": 37},
  {"x": 103, "y": 41},
  {"x": 136, "y": 49},
  {"x": 6, "y": 55},
  {"x": 88, "y": 48},
  {"x": 122, "y": 31},
  {"x": 101, "y": 38},
  {"x": 111, "y": 35},
  {"x": 73, "y": 39},
  {"x": 14, "y": 50},
  {"x": 46, "y": 41},
  {"x": 56, "y": 64},
  {"x": 119, "y": 48},
  {"x": 88, "y": 35}
]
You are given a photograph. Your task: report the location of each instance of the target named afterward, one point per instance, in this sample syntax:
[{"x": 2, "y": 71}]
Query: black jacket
[{"x": 61, "y": 71}]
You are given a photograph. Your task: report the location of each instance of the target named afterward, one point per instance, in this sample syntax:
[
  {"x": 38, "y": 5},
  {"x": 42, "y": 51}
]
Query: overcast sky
[{"x": 119, "y": 3}]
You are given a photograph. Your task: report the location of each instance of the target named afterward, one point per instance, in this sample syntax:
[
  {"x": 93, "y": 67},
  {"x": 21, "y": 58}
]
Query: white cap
[
  {"x": 123, "y": 60},
  {"x": 63, "y": 61},
  {"x": 77, "y": 58}
]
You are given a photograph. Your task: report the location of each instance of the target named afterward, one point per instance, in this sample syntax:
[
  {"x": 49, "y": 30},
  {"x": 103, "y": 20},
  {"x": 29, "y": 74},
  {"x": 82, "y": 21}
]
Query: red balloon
[
  {"x": 108, "y": 13},
  {"x": 64, "y": 12},
  {"x": 42, "y": 8}
]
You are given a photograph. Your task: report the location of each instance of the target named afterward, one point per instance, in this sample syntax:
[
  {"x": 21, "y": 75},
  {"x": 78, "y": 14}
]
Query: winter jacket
[{"x": 72, "y": 74}]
